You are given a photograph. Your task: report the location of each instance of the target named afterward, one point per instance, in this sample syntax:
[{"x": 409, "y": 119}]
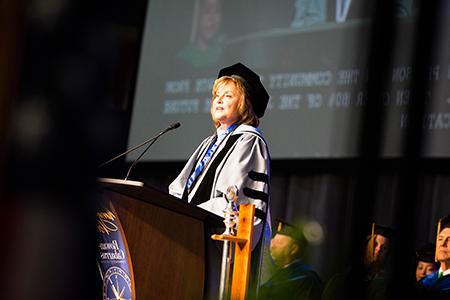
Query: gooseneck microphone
[{"x": 151, "y": 141}]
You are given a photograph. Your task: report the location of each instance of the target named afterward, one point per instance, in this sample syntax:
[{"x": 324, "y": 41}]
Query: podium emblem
[{"x": 116, "y": 285}]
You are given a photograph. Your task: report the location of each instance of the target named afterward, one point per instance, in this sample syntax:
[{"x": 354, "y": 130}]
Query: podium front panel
[{"x": 167, "y": 249}]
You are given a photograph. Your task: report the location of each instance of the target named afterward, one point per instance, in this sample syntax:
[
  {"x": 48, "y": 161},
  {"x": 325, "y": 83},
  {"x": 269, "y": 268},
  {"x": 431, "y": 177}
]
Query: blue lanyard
[{"x": 200, "y": 166}]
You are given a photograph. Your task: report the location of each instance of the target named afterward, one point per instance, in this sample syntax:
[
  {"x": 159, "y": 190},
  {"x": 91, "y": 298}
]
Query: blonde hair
[{"x": 245, "y": 110}]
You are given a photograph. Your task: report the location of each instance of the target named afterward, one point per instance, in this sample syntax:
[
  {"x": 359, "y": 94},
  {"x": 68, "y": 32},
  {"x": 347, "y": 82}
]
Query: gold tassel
[
  {"x": 370, "y": 246},
  {"x": 437, "y": 239}
]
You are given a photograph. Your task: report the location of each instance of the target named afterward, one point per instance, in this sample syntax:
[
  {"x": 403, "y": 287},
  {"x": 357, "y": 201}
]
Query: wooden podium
[{"x": 166, "y": 239}]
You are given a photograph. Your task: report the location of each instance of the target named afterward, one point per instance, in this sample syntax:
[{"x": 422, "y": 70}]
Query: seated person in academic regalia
[
  {"x": 374, "y": 279},
  {"x": 378, "y": 250},
  {"x": 438, "y": 283},
  {"x": 294, "y": 279},
  {"x": 425, "y": 261}
]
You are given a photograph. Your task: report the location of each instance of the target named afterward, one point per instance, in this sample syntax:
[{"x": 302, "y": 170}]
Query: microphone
[
  {"x": 174, "y": 125},
  {"x": 152, "y": 140}
]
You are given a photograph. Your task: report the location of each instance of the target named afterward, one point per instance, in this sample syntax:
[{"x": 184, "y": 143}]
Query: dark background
[{"x": 68, "y": 76}]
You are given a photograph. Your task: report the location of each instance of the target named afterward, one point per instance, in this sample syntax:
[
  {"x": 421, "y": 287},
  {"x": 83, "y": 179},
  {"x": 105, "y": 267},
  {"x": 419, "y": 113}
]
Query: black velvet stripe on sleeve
[
  {"x": 251, "y": 193},
  {"x": 258, "y": 176},
  {"x": 260, "y": 214}
]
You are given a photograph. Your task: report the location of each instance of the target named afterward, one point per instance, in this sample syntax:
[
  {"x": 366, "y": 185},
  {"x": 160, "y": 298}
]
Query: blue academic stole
[{"x": 212, "y": 148}]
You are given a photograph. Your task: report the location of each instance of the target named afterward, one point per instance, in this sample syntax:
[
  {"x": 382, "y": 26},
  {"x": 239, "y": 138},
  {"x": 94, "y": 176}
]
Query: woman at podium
[{"x": 235, "y": 155}]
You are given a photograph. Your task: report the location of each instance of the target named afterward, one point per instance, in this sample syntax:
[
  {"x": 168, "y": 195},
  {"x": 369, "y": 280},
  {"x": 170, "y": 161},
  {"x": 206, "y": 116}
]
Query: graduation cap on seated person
[
  {"x": 291, "y": 231},
  {"x": 426, "y": 253},
  {"x": 257, "y": 94},
  {"x": 444, "y": 223},
  {"x": 385, "y": 231}
]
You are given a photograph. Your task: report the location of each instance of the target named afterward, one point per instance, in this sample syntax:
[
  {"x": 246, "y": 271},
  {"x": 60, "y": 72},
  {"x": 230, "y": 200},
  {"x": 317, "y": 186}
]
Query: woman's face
[
  {"x": 224, "y": 107},
  {"x": 424, "y": 269}
]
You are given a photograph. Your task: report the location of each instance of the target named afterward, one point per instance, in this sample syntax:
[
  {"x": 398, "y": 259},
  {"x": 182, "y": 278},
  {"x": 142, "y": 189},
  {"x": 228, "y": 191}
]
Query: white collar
[
  {"x": 444, "y": 273},
  {"x": 219, "y": 131}
]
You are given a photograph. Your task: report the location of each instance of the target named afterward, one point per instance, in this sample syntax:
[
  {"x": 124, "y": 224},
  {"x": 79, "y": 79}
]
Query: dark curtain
[{"x": 325, "y": 192}]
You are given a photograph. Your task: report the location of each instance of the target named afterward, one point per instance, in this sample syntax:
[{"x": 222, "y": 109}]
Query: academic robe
[
  {"x": 434, "y": 283},
  {"x": 242, "y": 159},
  {"x": 295, "y": 281}
]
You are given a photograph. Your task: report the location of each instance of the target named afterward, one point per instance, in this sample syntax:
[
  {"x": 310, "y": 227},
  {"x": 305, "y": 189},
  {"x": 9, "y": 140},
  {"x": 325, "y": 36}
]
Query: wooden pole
[{"x": 242, "y": 251}]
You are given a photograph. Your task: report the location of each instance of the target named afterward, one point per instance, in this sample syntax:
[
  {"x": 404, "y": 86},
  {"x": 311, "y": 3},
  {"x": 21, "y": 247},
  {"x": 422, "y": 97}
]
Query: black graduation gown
[{"x": 296, "y": 281}]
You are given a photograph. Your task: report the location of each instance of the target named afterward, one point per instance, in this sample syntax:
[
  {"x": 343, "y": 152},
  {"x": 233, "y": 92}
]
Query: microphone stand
[
  {"x": 143, "y": 152},
  {"x": 131, "y": 182},
  {"x": 129, "y": 150}
]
